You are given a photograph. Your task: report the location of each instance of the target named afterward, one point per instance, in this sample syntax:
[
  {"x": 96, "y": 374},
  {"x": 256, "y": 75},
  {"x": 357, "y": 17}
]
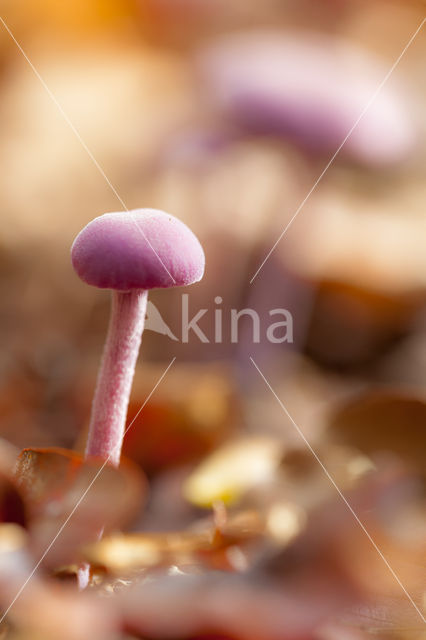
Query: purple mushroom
[
  {"x": 311, "y": 88},
  {"x": 129, "y": 252}
]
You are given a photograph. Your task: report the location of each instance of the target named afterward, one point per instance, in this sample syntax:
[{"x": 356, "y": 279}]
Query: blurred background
[
  {"x": 229, "y": 115},
  {"x": 224, "y": 114}
]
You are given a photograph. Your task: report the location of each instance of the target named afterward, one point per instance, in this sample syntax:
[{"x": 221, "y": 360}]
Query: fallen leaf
[
  {"x": 233, "y": 469},
  {"x": 383, "y": 421},
  {"x": 58, "y": 483}
]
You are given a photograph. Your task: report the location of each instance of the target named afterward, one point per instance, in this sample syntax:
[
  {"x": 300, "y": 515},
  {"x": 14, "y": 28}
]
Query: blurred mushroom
[{"x": 311, "y": 88}]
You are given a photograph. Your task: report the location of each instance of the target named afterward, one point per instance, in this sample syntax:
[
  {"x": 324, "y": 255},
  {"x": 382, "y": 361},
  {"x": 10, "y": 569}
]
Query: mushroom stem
[{"x": 111, "y": 400}]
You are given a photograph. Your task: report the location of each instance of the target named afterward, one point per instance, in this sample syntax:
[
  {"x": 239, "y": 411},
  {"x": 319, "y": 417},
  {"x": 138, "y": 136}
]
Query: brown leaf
[
  {"x": 177, "y": 427},
  {"x": 146, "y": 550},
  {"x": 383, "y": 421},
  {"x": 207, "y": 545},
  {"x": 12, "y": 508},
  {"x": 57, "y": 483},
  {"x": 46, "y": 474}
]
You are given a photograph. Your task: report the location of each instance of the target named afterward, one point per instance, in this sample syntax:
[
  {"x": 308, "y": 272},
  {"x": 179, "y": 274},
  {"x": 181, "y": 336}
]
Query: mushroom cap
[
  {"x": 140, "y": 249},
  {"x": 311, "y": 88}
]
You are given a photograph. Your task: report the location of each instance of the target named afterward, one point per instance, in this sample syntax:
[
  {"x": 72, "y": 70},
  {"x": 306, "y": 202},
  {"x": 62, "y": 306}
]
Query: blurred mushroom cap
[{"x": 309, "y": 87}]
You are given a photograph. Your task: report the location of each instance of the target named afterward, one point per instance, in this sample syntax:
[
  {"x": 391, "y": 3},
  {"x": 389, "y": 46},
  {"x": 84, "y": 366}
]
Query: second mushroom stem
[{"x": 111, "y": 400}]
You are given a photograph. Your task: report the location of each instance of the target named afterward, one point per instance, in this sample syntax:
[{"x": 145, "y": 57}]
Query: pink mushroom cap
[
  {"x": 312, "y": 88},
  {"x": 140, "y": 249}
]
